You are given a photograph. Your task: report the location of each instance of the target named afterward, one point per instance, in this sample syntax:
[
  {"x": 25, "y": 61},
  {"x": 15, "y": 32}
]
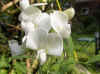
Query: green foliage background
[{"x": 66, "y": 64}]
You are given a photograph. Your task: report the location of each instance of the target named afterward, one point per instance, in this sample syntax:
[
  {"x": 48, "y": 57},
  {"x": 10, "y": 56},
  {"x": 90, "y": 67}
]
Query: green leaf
[
  {"x": 94, "y": 59},
  {"x": 3, "y": 71},
  {"x": 3, "y": 62},
  {"x": 55, "y": 67},
  {"x": 20, "y": 67},
  {"x": 20, "y": 57}
]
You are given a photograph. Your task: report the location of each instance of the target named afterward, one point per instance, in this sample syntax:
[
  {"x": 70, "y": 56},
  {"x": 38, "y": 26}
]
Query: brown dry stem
[
  {"x": 9, "y": 5},
  {"x": 15, "y": 27}
]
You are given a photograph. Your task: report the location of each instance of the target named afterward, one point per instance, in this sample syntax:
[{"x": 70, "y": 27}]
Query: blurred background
[{"x": 84, "y": 26}]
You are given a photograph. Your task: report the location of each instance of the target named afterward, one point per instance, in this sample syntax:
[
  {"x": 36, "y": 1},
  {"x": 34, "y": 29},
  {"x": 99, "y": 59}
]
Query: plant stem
[
  {"x": 58, "y": 5},
  {"x": 35, "y": 65},
  {"x": 70, "y": 47},
  {"x": 28, "y": 65},
  {"x": 9, "y": 4}
]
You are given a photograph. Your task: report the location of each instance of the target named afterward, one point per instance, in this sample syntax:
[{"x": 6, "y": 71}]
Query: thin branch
[
  {"x": 31, "y": 1},
  {"x": 12, "y": 11},
  {"x": 15, "y": 27},
  {"x": 9, "y": 5},
  {"x": 28, "y": 64},
  {"x": 35, "y": 65},
  {"x": 2, "y": 3}
]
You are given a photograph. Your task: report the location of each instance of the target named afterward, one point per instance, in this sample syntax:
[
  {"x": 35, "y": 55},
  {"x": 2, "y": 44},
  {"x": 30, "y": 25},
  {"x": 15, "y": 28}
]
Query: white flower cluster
[{"x": 37, "y": 25}]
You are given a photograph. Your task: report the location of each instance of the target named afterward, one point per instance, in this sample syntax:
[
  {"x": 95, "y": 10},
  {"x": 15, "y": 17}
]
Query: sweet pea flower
[
  {"x": 36, "y": 26},
  {"x": 59, "y": 22},
  {"x": 32, "y": 18},
  {"x": 29, "y": 14},
  {"x": 44, "y": 43},
  {"x": 42, "y": 56},
  {"x": 24, "y": 4},
  {"x": 70, "y": 12},
  {"x": 15, "y": 48}
]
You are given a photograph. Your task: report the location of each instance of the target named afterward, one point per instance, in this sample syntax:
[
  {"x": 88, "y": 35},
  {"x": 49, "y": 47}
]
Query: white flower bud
[
  {"x": 24, "y": 4},
  {"x": 15, "y": 48},
  {"x": 41, "y": 55},
  {"x": 70, "y": 13}
]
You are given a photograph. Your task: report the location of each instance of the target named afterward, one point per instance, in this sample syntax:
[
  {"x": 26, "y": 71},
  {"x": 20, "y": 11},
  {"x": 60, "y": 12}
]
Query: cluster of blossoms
[{"x": 37, "y": 25}]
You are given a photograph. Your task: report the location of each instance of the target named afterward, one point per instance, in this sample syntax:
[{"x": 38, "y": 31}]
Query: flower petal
[
  {"x": 59, "y": 22},
  {"x": 29, "y": 14},
  {"x": 70, "y": 13},
  {"x": 36, "y": 39},
  {"x": 24, "y": 38},
  {"x": 55, "y": 44},
  {"x": 43, "y": 21},
  {"x": 24, "y": 4},
  {"x": 15, "y": 48},
  {"x": 27, "y": 26},
  {"x": 41, "y": 55}
]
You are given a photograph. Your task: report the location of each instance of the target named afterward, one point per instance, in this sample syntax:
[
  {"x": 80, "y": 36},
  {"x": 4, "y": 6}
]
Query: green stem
[{"x": 70, "y": 47}]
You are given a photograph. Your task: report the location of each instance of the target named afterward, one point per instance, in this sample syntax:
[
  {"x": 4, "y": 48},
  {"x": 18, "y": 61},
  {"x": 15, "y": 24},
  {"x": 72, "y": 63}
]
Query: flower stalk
[
  {"x": 28, "y": 65},
  {"x": 59, "y": 6},
  {"x": 35, "y": 65}
]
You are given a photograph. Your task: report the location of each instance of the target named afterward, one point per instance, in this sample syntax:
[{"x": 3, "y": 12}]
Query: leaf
[
  {"x": 68, "y": 45},
  {"x": 20, "y": 68},
  {"x": 94, "y": 59},
  {"x": 3, "y": 71},
  {"x": 20, "y": 57},
  {"x": 55, "y": 67},
  {"x": 3, "y": 62}
]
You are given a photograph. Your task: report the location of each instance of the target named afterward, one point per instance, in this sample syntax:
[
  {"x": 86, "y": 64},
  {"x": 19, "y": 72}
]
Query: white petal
[
  {"x": 15, "y": 48},
  {"x": 24, "y": 4},
  {"x": 27, "y": 26},
  {"x": 70, "y": 13},
  {"x": 66, "y": 32},
  {"x": 29, "y": 43},
  {"x": 41, "y": 55},
  {"x": 43, "y": 21},
  {"x": 24, "y": 42},
  {"x": 29, "y": 14},
  {"x": 55, "y": 44},
  {"x": 24, "y": 38},
  {"x": 59, "y": 22},
  {"x": 36, "y": 39}
]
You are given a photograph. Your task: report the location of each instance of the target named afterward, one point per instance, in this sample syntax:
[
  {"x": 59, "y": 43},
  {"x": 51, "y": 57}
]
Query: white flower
[
  {"x": 41, "y": 55},
  {"x": 36, "y": 39},
  {"x": 36, "y": 18},
  {"x": 27, "y": 26},
  {"x": 15, "y": 48},
  {"x": 29, "y": 14},
  {"x": 59, "y": 22},
  {"x": 36, "y": 26},
  {"x": 24, "y": 4},
  {"x": 70, "y": 13},
  {"x": 43, "y": 21},
  {"x": 39, "y": 39},
  {"x": 54, "y": 44}
]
